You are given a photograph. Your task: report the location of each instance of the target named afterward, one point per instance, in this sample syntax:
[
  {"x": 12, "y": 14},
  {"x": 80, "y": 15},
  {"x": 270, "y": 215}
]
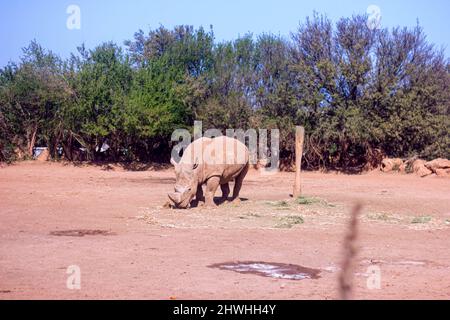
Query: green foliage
[
  {"x": 306, "y": 200},
  {"x": 360, "y": 93},
  {"x": 421, "y": 219},
  {"x": 155, "y": 107},
  {"x": 290, "y": 221},
  {"x": 31, "y": 98}
]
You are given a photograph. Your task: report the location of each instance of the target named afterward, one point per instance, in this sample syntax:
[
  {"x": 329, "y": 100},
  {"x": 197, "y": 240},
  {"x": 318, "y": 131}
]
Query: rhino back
[
  {"x": 225, "y": 157},
  {"x": 194, "y": 152}
]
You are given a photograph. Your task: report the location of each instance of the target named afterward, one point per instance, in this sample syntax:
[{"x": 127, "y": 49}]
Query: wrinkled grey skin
[
  {"x": 203, "y": 164},
  {"x": 186, "y": 186}
]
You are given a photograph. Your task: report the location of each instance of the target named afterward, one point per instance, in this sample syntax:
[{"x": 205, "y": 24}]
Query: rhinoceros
[{"x": 213, "y": 162}]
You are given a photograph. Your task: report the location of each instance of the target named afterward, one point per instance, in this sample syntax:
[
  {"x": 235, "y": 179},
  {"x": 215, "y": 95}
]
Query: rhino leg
[
  {"x": 225, "y": 191},
  {"x": 211, "y": 187},
  {"x": 199, "y": 195},
  {"x": 238, "y": 183}
]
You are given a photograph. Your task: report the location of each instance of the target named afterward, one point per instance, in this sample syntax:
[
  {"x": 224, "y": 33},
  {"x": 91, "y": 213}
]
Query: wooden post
[{"x": 299, "y": 140}]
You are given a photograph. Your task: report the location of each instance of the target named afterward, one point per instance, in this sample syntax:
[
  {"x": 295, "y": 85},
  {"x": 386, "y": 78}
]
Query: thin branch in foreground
[{"x": 349, "y": 255}]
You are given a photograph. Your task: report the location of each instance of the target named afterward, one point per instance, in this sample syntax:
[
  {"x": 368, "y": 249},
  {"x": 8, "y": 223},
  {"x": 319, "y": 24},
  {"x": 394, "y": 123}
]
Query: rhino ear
[
  {"x": 173, "y": 162},
  {"x": 195, "y": 166}
]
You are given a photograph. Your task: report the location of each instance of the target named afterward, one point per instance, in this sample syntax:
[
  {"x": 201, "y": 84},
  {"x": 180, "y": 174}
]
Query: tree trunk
[
  {"x": 67, "y": 148},
  {"x": 31, "y": 139}
]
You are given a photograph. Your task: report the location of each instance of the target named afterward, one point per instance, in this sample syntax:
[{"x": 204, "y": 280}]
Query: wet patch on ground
[{"x": 270, "y": 270}]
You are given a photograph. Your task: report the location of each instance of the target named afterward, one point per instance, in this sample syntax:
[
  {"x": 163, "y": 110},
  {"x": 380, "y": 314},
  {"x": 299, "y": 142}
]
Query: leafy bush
[{"x": 361, "y": 94}]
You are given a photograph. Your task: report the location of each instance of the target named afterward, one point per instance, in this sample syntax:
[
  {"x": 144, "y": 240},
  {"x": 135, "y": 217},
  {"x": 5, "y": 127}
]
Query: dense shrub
[{"x": 360, "y": 93}]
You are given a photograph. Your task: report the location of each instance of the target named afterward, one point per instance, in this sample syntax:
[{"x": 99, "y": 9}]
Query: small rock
[
  {"x": 420, "y": 169},
  {"x": 443, "y": 173},
  {"x": 438, "y": 164},
  {"x": 388, "y": 165}
]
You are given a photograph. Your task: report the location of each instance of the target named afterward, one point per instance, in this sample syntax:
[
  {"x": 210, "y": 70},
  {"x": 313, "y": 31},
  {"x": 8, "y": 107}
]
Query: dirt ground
[{"x": 111, "y": 224}]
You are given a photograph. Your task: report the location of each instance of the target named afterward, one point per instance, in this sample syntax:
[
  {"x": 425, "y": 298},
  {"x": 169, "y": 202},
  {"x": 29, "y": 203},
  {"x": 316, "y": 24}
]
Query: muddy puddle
[
  {"x": 81, "y": 233},
  {"x": 270, "y": 270}
]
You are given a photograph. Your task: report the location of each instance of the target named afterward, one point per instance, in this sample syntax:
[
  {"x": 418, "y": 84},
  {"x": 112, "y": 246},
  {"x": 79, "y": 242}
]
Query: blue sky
[{"x": 117, "y": 20}]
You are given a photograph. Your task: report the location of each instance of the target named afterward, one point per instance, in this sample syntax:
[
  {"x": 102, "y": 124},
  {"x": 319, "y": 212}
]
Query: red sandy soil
[{"x": 143, "y": 251}]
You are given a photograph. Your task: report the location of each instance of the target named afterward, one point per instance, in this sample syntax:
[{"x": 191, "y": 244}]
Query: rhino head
[{"x": 185, "y": 186}]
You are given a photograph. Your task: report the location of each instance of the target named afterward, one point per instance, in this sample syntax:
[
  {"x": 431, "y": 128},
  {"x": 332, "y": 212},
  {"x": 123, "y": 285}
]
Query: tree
[
  {"x": 31, "y": 96},
  {"x": 101, "y": 84},
  {"x": 154, "y": 109}
]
